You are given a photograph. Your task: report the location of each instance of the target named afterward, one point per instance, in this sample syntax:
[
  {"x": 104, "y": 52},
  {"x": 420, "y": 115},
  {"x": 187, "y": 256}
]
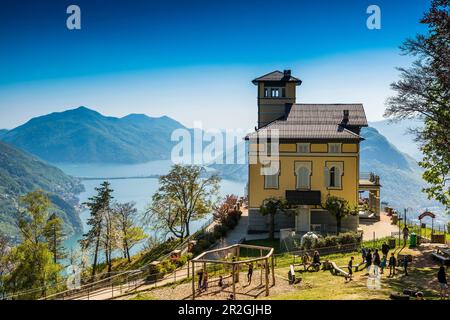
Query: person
[
  {"x": 230, "y": 297},
  {"x": 250, "y": 273},
  {"x": 368, "y": 260},
  {"x": 305, "y": 260},
  {"x": 376, "y": 262},
  {"x": 405, "y": 234},
  {"x": 385, "y": 249},
  {"x": 200, "y": 278},
  {"x": 442, "y": 279},
  {"x": 350, "y": 269},
  {"x": 205, "y": 281},
  {"x": 220, "y": 283},
  {"x": 316, "y": 260},
  {"x": 405, "y": 264},
  {"x": 383, "y": 263},
  {"x": 392, "y": 264},
  {"x": 363, "y": 254}
]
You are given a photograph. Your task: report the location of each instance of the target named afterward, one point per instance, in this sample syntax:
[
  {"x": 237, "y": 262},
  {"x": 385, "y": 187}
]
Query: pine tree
[
  {"x": 98, "y": 204},
  {"x": 54, "y": 235}
]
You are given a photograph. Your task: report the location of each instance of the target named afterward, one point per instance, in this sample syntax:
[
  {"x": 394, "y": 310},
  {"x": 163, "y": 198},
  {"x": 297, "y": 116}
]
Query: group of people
[
  {"x": 315, "y": 263},
  {"x": 202, "y": 280},
  {"x": 378, "y": 263}
]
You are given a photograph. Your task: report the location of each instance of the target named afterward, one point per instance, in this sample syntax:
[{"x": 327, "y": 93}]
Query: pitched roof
[
  {"x": 277, "y": 76},
  {"x": 317, "y": 121},
  {"x": 327, "y": 114}
]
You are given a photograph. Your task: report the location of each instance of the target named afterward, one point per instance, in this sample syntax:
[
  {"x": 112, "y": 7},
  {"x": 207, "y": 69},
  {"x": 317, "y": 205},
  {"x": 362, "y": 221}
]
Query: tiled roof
[
  {"x": 327, "y": 114},
  {"x": 318, "y": 121},
  {"x": 277, "y": 76}
]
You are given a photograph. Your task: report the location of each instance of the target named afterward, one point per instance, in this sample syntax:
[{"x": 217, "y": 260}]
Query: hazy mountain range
[
  {"x": 398, "y": 134},
  {"x": 85, "y": 136}
]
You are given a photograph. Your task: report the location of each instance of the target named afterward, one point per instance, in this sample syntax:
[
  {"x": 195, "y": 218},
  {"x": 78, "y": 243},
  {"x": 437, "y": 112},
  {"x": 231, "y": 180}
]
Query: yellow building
[{"x": 318, "y": 156}]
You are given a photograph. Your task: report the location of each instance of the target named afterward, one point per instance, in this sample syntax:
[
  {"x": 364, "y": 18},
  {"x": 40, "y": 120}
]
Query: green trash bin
[{"x": 413, "y": 240}]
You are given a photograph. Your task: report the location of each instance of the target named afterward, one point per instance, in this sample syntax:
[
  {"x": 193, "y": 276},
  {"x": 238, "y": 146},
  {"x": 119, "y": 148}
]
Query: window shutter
[
  {"x": 337, "y": 177},
  {"x": 326, "y": 175}
]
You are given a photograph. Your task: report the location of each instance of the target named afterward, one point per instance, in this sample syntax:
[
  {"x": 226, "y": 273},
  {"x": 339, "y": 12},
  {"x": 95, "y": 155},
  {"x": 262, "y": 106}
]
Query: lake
[{"x": 139, "y": 191}]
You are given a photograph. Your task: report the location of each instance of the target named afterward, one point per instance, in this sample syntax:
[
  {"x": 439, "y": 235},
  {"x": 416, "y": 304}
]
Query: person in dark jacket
[
  {"x": 376, "y": 262},
  {"x": 442, "y": 279},
  {"x": 368, "y": 261},
  {"x": 392, "y": 265},
  {"x": 385, "y": 249},
  {"x": 405, "y": 264}
]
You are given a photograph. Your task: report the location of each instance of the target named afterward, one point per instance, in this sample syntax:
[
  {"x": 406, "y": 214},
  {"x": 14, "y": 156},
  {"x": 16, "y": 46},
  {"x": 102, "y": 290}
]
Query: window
[
  {"x": 303, "y": 175},
  {"x": 335, "y": 178},
  {"x": 271, "y": 181},
  {"x": 274, "y": 92},
  {"x": 334, "y": 147},
  {"x": 303, "y": 147}
]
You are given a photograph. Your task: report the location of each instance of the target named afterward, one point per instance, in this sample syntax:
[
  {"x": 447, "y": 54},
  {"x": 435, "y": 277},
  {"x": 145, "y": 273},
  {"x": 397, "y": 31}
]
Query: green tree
[
  {"x": 184, "y": 195},
  {"x": 423, "y": 92},
  {"x": 54, "y": 234},
  {"x": 131, "y": 233},
  {"x": 32, "y": 262},
  {"x": 340, "y": 209},
  {"x": 272, "y": 207},
  {"x": 98, "y": 205}
]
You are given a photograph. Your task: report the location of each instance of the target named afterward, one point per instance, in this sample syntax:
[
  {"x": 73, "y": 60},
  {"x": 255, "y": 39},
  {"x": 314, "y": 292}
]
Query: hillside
[
  {"x": 400, "y": 175},
  {"x": 85, "y": 136},
  {"x": 397, "y": 133},
  {"x": 21, "y": 173},
  {"x": 3, "y": 132}
]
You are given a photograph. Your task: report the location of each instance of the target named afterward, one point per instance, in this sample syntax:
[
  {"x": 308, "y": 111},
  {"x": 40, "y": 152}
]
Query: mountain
[
  {"x": 3, "y": 132},
  {"x": 85, "y": 136},
  {"x": 21, "y": 173},
  {"x": 398, "y": 134},
  {"x": 399, "y": 173}
]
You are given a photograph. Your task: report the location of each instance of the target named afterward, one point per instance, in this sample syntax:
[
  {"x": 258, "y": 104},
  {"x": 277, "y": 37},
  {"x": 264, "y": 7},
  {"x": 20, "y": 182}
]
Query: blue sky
[{"x": 194, "y": 59}]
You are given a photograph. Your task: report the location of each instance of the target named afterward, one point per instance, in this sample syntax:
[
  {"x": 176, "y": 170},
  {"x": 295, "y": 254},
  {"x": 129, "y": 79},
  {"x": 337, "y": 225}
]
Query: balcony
[{"x": 298, "y": 197}]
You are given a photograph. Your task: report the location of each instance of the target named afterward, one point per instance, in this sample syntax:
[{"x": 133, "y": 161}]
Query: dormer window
[{"x": 274, "y": 92}]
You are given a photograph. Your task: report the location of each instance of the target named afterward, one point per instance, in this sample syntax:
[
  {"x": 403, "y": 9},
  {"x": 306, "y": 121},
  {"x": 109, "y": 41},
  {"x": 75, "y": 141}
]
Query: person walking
[
  {"x": 350, "y": 270},
  {"x": 363, "y": 254},
  {"x": 376, "y": 262},
  {"x": 442, "y": 279},
  {"x": 405, "y": 264},
  {"x": 250, "y": 273},
  {"x": 383, "y": 263},
  {"x": 385, "y": 249},
  {"x": 392, "y": 265},
  {"x": 405, "y": 235},
  {"x": 368, "y": 260},
  {"x": 200, "y": 279},
  {"x": 205, "y": 281}
]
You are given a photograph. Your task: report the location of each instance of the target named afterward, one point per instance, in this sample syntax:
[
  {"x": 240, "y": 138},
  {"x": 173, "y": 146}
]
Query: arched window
[
  {"x": 303, "y": 178},
  {"x": 335, "y": 177}
]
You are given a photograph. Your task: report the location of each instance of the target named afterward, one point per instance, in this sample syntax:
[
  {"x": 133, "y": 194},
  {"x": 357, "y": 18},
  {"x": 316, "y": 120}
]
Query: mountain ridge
[{"x": 82, "y": 135}]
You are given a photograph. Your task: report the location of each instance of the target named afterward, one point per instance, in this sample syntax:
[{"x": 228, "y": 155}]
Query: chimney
[
  {"x": 287, "y": 73},
  {"x": 346, "y": 116}
]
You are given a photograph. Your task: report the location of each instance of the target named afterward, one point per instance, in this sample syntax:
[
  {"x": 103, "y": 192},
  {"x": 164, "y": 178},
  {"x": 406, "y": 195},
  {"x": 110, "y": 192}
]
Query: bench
[
  {"x": 336, "y": 270},
  {"x": 440, "y": 258},
  {"x": 356, "y": 266}
]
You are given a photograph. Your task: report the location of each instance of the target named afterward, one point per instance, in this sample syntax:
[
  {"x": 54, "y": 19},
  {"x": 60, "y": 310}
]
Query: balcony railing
[{"x": 370, "y": 176}]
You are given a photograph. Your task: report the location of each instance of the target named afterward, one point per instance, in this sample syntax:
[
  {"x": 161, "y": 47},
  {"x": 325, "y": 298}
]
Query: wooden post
[
  {"x": 266, "y": 267},
  {"x": 193, "y": 280},
  {"x": 273, "y": 272},
  {"x": 234, "y": 284}
]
